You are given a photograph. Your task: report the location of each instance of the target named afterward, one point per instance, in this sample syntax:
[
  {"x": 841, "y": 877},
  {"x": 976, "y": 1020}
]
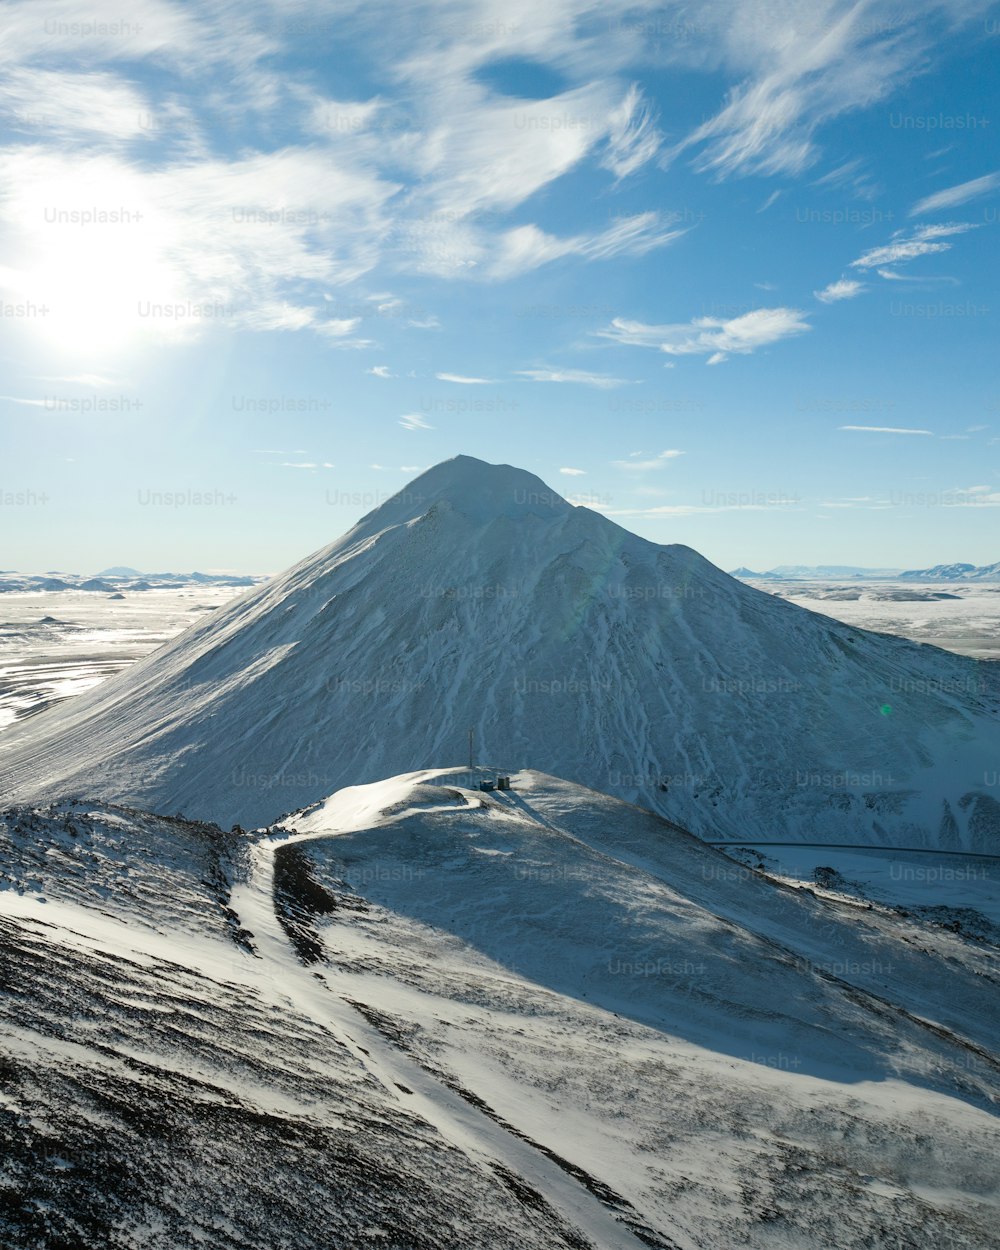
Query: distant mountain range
[
  {"x": 954, "y": 573},
  {"x": 117, "y": 580},
  {"x": 824, "y": 572}
]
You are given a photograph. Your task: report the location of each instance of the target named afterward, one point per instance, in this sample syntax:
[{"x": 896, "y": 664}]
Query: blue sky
[{"x": 726, "y": 272}]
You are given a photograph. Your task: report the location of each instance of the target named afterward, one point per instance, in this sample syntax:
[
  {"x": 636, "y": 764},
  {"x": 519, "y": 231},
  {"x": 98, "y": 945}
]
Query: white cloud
[
  {"x": 338, "y": 327},
  {"x": 213, "y": 242},
  {"x": 96, "y": 30},
  {"x": 714, "y": 337},
  {"x": 337, "y": 119},
  {"x": 924, "y": 280},
  {"x": 852, "y": 177},
  {"x": 28, "y": 403},
  {"x": 950, "y": 197},
  {"x": 523, "y": 248},
  {"x": 884, "y": 429},
  {"x": 380, "y": 371},
  {"x": 469, "y": 152},
  {"x": 573, "y": 472},
  {"x": 797, "y": 67},
  {"x": 464, "y": 381},
  {"x": 633, "y": 139},
  {"x": 414, "y": 421},
  {"x": 844, "y": 288},
  {"x": 287, "y": 464},
  {"x": 644, "y": 466},
  {"x": 277, "y": 315},
  {"x": 771, "y": 199},
  {"x": 863, "y": 503},
  {"x": 415, "y": 179},
  {"x": 584, "y": 377},
  {"x": 69, "y": 106},
  {"x": 921, "y": 241}
]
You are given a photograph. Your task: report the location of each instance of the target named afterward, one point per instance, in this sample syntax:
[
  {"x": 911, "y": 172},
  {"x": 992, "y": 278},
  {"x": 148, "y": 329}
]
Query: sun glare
[{"x": 95, "y": 265}]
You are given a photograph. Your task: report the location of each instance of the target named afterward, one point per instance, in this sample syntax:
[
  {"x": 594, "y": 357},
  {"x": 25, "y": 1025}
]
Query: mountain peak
[{"x": 478, "y": 490}]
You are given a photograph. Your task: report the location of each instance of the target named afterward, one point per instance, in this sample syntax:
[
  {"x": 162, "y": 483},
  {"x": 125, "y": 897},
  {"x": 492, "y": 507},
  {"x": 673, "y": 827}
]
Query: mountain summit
[
  {"x": 478, "y": 491},
  {"x": 479, "y": 597}
]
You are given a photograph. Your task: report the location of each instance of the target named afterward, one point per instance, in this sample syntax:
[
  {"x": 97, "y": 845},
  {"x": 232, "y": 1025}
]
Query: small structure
[
  {"x": 486, "y": 785},
  {"x": 503, "y": 783}
]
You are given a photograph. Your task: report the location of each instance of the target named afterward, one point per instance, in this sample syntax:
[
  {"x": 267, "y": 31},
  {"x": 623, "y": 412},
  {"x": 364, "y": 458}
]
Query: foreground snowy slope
[
  {"x": 479, "y": 597},
  {"x": 417, "y": 1015},
  {"x": 163, "y": 1088}
]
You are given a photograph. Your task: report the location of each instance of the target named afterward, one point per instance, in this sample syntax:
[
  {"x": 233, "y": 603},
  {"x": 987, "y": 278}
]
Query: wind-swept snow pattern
[
  {"x": 478, "y": 597},
  {"x": 419, "y": 1015}
]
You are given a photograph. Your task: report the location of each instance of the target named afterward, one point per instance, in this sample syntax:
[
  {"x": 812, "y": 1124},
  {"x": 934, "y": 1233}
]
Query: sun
[{"x": 95, "y": 262}]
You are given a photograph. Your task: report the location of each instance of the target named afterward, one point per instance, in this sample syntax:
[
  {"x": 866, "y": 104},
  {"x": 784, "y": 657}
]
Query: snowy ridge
[
  {"x": 479, "y": 597},
  {"x": 538, "y": 1018}
]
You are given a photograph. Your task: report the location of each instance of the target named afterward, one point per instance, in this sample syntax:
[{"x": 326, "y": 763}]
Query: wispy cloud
[
  {"x": 850, "y": 176},
  {"x": 414, "y": 421},
  {"x": 872, "y": 505},
  {"x": 884, "y": 429},
  {"x": 527, "y": 247},
  {"x": 793, "y": 74},
  {"x": 28, "y": 403},
  {"x": 380, "y": 371},
  {"x": 924, "y": 280},
  {"x": 951, "y": 197},
  {"x": 337, "y": 327},
  {"x": 73, "y": 106},
  {"x": 920, "y": 241},
  {"x": 973, "y": 497},
  {"x": 463, "y": 380},
  {"x": 636, "y": 465},
  {"x": 844, "y": 288},
  {"x": 714, "y": 337},
  {"x": 633, "y": 139},
  {"x": 573, "y": 472},
  {"x": 581, "y": 377}
]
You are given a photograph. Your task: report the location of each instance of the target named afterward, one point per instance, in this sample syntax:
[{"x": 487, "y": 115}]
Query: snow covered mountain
[
  {"x": 817, "y": 572},
  {"x": 418, "y": 1015},
  {"x": 117, "y": 579},
  {"x": 954, "y": 573},
  {"x": 478, "y": 597}
]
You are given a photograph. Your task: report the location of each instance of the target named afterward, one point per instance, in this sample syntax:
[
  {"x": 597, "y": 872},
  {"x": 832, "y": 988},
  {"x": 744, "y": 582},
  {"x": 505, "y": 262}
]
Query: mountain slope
[
  {"x": 418, "y": 1015},
  {"x": 479, "y": 597}
]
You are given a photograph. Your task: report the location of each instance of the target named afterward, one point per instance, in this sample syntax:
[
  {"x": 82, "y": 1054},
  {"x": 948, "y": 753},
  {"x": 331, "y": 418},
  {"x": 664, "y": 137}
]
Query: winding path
[{"x": 468, "y": 1126}]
